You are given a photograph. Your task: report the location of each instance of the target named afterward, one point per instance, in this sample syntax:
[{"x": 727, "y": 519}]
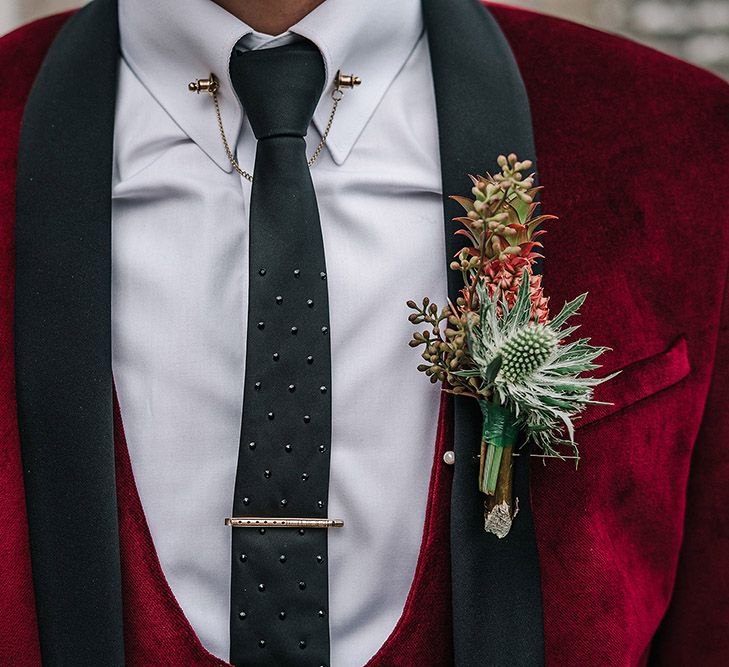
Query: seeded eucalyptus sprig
[{"x": 446, "y": 348}]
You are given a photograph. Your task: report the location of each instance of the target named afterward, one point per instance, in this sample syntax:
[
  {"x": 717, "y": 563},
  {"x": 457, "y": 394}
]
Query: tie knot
[{"x": 279, "y": 88}]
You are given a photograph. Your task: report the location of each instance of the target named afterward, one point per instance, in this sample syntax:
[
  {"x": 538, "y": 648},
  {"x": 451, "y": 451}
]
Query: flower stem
[
  {"x": 499, "y": 510},
  {"x": 495, "y": 472},
  {"x": 491, "y": 457}
]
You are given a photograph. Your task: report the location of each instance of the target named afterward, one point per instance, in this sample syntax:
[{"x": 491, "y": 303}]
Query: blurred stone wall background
[
  {"x": 695, "y": 30},
  {"x": 16, "y": 12}
]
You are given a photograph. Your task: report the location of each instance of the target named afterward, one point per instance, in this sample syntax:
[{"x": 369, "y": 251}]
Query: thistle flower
[{"x": 530, "y": 367}]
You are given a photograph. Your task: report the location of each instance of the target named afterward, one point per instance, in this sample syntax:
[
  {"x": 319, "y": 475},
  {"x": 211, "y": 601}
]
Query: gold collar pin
[{"x": 211, "y": 85}]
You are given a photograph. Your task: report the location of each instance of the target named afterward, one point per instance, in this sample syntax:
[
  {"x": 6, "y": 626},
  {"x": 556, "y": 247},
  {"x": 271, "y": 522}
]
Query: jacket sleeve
[{"x": 695, "y": 630}]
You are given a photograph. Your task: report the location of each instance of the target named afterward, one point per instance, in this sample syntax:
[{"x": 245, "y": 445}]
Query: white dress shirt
[{"x": 180, "y": 282}]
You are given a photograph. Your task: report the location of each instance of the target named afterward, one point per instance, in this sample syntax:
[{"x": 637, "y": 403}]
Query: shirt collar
[{"x": 168, "y": 43}]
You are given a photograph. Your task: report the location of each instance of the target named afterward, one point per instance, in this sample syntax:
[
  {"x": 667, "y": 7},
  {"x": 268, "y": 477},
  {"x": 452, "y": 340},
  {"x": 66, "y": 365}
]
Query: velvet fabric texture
[{"x": 634, "y": 545}]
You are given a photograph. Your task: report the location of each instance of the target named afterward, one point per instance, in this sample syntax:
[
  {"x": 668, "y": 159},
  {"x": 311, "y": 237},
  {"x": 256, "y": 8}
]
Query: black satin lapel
[
  {"x": 483, "y": 111},
  {"x": 63, "y": 334}
]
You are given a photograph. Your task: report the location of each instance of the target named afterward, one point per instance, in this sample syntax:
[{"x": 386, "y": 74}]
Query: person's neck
[{"x": 271, "y": 17}]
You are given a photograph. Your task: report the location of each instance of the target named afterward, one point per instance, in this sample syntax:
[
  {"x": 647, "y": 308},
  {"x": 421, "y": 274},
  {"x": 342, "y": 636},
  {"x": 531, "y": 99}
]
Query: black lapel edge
[
  {"x": 483, "y": 111},
  {"x": 63, "y": 341}
]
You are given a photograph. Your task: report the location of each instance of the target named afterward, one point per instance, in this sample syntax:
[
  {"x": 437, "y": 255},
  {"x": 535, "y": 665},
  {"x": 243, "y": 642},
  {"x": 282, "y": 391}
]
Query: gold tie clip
[{"x": 279, "y": 522}]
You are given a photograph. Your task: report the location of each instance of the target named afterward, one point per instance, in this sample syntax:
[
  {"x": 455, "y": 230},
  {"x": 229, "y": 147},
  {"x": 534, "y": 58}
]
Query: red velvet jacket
[{"x": 633, "y": 546}]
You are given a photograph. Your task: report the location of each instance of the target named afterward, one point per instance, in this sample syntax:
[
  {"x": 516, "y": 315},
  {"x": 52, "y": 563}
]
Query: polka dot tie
[{"x": 279, "y": 585}]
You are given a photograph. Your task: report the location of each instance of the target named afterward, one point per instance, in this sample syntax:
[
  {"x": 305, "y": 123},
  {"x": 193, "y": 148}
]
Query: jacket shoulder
[
  {"x": 21, "y": 54},
  {"x": 591, "y": 88}
]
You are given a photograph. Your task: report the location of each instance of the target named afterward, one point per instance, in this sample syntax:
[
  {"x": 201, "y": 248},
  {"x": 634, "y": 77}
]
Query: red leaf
[{"x": 464, "y": 201}]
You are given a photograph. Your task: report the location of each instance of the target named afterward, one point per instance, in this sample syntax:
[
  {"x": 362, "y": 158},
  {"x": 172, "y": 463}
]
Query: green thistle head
[
  {"x": 526, "y": 351},
  {"x": 531, "y": 367}
]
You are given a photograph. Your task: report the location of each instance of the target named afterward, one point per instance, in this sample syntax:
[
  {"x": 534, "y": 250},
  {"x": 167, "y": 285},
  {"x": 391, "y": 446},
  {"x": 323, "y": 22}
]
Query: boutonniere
[{"x": 499, "y": 345}]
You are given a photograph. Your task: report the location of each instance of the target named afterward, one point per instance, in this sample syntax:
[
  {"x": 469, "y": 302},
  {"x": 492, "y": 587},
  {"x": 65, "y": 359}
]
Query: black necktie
[{"x": 279, "y": 585}]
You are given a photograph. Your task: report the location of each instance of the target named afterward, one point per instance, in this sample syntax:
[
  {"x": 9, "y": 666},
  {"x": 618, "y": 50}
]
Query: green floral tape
[{"x": 499, "y": 425}]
